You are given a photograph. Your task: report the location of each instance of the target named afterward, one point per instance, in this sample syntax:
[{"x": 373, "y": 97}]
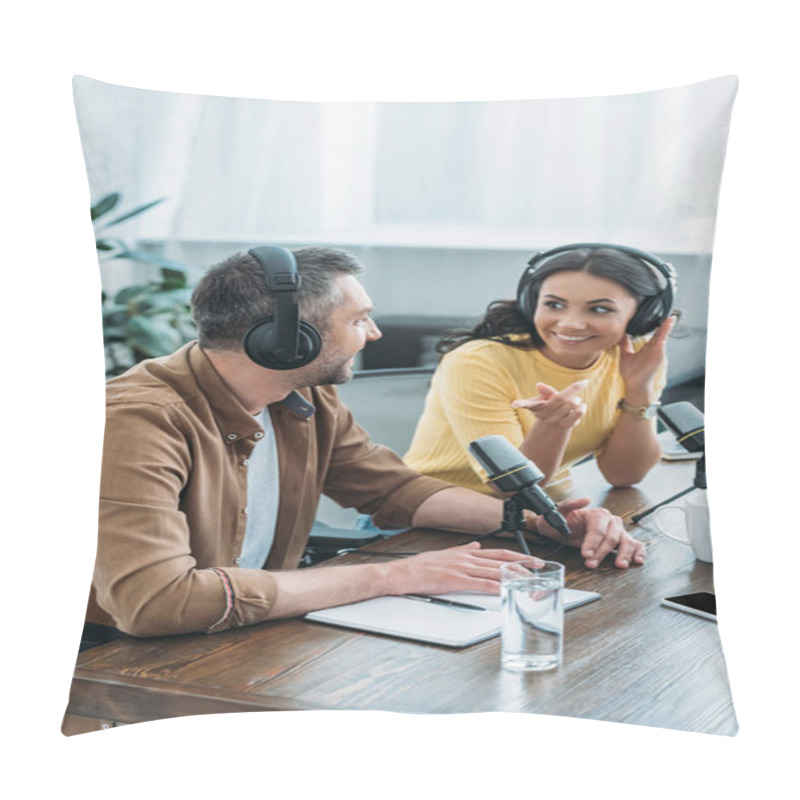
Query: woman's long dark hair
[{"x": 504, "y": 318}]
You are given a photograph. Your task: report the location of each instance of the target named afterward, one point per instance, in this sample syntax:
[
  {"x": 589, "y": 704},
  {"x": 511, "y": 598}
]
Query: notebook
[{"x": 429, "y": 622}]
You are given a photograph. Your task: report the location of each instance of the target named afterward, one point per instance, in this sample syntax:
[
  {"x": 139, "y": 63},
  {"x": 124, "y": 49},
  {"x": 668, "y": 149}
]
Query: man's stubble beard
[{"x": 332, "y": 371}]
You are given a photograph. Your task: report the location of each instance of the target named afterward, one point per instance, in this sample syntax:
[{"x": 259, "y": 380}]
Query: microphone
[
  {"x": 687, "y": 423},
  {"x": 511, "y": 472}
]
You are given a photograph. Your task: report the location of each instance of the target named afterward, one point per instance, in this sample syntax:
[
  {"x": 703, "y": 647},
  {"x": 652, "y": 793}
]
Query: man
[{"x": 213, "y": 466}]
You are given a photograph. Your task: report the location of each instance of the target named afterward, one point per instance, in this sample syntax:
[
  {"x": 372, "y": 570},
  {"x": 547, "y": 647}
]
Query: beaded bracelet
[{"x": 230, "y": 598}]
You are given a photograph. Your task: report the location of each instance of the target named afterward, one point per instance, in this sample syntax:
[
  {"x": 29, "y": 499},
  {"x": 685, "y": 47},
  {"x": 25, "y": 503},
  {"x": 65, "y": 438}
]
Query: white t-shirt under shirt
[{"x": 263, "y": 496}]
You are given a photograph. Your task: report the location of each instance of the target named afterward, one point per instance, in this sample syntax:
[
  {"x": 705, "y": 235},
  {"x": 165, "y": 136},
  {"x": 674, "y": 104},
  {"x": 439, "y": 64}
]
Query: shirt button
[
  {"x": 237, "y": 561},
  {"x": 232, "y": 437},
  {"x": 258, "y": 435},
  {"x": 245, "y": 462}
]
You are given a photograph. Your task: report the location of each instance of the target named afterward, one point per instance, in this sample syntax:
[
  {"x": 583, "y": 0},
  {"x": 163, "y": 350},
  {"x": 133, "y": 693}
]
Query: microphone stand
[
  {"x": 514, "y": 522},
  {"x": 699, "y": 483}
]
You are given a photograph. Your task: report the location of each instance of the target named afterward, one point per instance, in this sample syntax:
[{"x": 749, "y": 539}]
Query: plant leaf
[
  {"x": 130, "y": 293},
  {"x": 170, "y": 298},
  {"x": 116, "y": 318},
  {"x": 159, "y": 261},
  {"x": 113, "y": 333},
  {"x": 109, "y": 244},
  {"x": 172, "y": 278},
  {"x": 186, "y": 327},
  {"x": 104, "y": 205},
  {"x": 152, "y": 336},
  {"x": 136, "y": 211}
]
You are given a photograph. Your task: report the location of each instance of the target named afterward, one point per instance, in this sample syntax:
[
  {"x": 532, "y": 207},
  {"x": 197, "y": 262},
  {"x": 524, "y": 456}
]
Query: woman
[{"x": 574, "y": 366}]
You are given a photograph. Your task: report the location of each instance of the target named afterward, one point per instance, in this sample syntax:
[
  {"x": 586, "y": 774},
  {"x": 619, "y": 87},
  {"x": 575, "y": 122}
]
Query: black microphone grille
[
  {"x": 495, "y": 453},
  {"x": 687, "y": 423}
]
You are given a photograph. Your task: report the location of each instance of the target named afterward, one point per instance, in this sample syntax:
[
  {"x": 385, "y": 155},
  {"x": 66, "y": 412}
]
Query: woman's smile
[
  {"x": 571, "y": 338},
  {"x": 579, "y": 315}
]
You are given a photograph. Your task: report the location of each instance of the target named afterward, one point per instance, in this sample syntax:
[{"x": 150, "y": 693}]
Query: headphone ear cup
[
  {"x": 650, "y": 314},
  {"x": 259, "y": 344},
  {"x": 259, "y": 340},
  {"x": 524, "y": 299},
  {"x": 310, "y": 343}
]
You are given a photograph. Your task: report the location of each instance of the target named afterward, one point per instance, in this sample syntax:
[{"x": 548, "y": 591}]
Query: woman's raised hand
[
  {"x": 561, "y": 409},
  {"x": 638, "y": 369}
]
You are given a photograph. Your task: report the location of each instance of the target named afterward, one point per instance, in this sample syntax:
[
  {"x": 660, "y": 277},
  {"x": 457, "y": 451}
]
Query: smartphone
[
  {"x": 671, "y": 450},
  {"x": 702, "y": 604}
]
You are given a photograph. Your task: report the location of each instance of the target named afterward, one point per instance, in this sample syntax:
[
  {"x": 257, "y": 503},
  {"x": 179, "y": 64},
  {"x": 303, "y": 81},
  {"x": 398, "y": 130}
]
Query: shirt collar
[{"x": 235, "y": 422}]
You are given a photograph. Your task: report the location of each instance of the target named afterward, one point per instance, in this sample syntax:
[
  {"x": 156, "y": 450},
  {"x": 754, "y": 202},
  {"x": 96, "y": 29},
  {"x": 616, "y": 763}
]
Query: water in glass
[{"x": 533, "y": 623}]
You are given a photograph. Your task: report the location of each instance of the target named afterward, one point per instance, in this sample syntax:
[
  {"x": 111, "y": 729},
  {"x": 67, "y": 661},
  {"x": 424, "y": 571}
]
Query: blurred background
[{"x": 443, "y": 202}]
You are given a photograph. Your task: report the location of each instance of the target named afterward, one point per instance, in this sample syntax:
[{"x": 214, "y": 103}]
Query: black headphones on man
[
  {"x": 282, "y": 341},
  {"x": 652, "y": 310}
]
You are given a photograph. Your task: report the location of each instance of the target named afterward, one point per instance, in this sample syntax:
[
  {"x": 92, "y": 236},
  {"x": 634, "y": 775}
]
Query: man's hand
[
  {"x": 466, "y": 568},
  {"x": 594, "y": 530},
  {"x": 597, "y": 532}
]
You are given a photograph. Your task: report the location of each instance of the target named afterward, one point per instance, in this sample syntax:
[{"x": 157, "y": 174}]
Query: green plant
[{"x": 142, "y": 320}]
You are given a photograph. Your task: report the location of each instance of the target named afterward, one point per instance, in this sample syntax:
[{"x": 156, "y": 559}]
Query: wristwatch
[{"x": 642, "y": 412}]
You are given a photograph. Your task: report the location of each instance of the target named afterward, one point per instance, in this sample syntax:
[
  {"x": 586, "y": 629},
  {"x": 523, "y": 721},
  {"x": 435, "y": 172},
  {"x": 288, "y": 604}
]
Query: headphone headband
[
  {"x": 282, "y": 341},
  {"x": 664, "y": 267},
  {"x": 280, "y": 267},
  {"x": 652, "y": 310}
]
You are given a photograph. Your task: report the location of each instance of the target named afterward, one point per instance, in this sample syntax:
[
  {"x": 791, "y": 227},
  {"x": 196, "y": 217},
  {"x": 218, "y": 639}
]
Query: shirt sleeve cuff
[{"x": 249, "y": 597}]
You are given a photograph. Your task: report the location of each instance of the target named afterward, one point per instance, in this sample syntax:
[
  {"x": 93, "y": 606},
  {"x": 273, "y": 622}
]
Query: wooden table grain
[{"x": 626, "y": 658}]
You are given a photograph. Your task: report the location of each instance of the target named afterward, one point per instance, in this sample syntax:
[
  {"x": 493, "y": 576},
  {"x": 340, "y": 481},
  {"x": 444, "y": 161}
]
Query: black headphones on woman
[
  {"x": 652, "y": 311},
  {"x": 283, "y": 340}
]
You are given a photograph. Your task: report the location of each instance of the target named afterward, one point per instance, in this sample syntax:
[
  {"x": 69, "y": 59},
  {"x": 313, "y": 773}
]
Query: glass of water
[{"x": 533, "y": 614}]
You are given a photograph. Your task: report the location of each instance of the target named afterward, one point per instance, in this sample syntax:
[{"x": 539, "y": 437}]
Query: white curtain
[{"x": 639, "y": 169}]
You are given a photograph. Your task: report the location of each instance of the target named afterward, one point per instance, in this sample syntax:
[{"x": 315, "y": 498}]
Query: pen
[{"x": 440, "y": 601}]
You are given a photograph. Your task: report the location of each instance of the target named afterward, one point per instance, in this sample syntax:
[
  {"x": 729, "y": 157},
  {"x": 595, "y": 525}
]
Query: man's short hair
[{"x": 233, "y": 294}]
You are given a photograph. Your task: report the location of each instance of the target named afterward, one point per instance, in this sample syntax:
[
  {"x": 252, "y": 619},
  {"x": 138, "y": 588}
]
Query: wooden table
[{"x": 626, "y": 658}]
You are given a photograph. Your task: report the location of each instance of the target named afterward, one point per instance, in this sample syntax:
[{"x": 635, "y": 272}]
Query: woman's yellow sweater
[{"x": 471, "y": 395}]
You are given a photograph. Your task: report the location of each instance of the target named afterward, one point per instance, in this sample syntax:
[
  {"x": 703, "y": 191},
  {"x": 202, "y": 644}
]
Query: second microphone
[{"x": 512, "y": 473}]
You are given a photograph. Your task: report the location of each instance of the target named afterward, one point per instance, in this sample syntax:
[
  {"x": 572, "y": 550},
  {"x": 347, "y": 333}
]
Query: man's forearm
[
  {"x": 454, "y": 509},
  {"x": 464, "y": 568},
  {"x": 301, "y": 591},
  {"x": 460, "y": 509}
]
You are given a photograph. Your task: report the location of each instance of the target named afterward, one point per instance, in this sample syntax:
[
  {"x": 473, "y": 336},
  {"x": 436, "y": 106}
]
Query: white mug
[{"x": 696, "y": 523}]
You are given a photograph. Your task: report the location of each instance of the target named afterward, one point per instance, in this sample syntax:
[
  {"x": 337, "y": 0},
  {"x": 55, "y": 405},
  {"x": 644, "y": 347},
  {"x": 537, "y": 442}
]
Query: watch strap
[{"x": 642, "y": 412}]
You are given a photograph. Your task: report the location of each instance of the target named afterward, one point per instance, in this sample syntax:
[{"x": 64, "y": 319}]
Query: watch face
[{"x": 643, "y": 412}]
